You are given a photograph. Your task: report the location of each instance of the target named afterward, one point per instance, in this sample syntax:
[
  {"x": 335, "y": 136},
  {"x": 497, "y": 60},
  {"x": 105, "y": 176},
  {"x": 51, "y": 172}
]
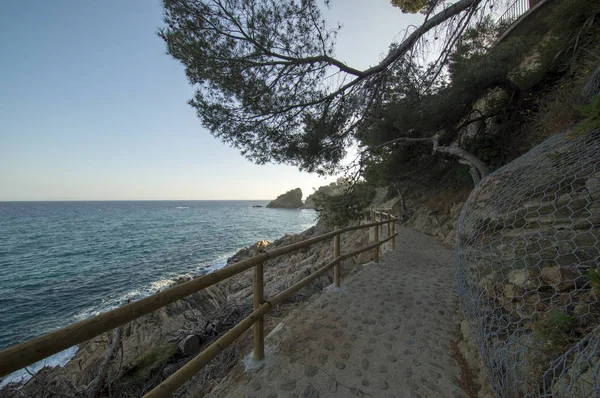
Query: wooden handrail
[
  {"x": 23, "y": 354},
  {"x": 187, "y": 371},
  {"x": 181, "y": 376}
]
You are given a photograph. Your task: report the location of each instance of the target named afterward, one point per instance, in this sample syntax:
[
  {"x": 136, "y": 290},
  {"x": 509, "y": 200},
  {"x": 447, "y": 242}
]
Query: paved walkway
[{"x": 385, "y": 333}]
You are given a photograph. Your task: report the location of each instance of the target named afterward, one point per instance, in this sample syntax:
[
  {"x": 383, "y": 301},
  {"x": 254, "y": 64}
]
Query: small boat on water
[{"x": 257, "y": 206}]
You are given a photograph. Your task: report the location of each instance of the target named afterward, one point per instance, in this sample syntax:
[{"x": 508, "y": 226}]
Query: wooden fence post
[
  {"x": 336, "y": 254},
  {"x": 380, "y": 220},
  {"x": 259, "y": 325},
  {"x": 376, "y": 249},
  {"x": 394, "y": 232},
  {"x": 389, "y": 225}
]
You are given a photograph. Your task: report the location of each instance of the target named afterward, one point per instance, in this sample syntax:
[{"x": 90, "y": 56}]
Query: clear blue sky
[{"x": 92, "y": 108}]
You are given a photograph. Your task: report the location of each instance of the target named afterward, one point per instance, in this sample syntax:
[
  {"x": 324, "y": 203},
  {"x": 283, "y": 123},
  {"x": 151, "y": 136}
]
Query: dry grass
[{"x": 554, "y": 109}]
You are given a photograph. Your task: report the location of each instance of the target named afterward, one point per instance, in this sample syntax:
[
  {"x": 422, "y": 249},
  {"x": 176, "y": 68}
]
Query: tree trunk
[
  {"x": 402, "y": 204},
  {"x": 466, "y": 157}
]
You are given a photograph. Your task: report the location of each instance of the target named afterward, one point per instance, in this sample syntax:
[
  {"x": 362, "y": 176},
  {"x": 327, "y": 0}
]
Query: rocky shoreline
[{"x": 156, "y": 345}]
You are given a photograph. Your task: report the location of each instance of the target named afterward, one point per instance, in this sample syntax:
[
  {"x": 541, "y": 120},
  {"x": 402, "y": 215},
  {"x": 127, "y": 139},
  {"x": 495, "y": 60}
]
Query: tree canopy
[
  {"x": 411, "y": 6},
  {"x": 267, "y": 81}
]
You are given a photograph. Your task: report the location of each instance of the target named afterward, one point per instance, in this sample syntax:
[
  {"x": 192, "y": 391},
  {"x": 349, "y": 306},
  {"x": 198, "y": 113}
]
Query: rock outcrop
[
  {"x": 289, "y": 200},
  {"x": 309, "y": 203},
  {"x": 527, "y": 243},
  {"x": 247, "y": 252},
  {"x": 326, "y": 190}
]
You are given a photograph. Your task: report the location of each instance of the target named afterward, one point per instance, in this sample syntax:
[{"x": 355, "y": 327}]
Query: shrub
[
  {"x": 553, "y": 329},
  {"x": 145, "y": 364},
  {"x": 591, "y": 122},
  {"x": 594, "y": 276},
  {"x": 341, "y": 209}
]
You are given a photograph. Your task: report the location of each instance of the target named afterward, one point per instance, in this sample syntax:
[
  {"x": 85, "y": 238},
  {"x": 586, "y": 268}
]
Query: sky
[{"x": 92, "y": 107}]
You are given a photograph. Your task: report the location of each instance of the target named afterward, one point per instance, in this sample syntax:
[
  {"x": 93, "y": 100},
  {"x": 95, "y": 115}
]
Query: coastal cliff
[{"x": 290, "y": 200}]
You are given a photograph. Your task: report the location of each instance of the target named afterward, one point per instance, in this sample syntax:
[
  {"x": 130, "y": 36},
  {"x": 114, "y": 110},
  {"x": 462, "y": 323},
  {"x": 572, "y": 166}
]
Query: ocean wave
[
  {"x": 150, "y": 288},
  {"x": 63, "y": 357},
  {"x": 161, "y": 284},
  {"x": 182, "y": 207}
]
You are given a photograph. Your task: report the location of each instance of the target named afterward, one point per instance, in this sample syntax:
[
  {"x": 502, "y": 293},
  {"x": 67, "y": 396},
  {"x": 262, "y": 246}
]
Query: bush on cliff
[{"x": 345, "y": 207}]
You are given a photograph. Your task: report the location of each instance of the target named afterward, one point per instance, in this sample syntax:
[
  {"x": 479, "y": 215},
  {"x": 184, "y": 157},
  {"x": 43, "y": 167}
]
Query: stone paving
[{"x": 385, "y": 333}]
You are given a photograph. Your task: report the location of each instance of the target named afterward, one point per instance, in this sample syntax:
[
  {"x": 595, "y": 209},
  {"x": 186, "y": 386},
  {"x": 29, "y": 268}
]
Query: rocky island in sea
[{"x": 290, "y": 200}]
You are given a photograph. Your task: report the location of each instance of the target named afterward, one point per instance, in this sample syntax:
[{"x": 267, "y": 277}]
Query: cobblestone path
[{"x": 385, "y": 333}]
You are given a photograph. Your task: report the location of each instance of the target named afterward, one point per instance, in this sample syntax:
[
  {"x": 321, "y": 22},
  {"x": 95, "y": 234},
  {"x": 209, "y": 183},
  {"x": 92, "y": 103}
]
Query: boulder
[
  {"x": 518, "y": 277},
  {"x": 560, "y": 278},
  {"x": 513, "y": 292},
  {"x": 259, "y": 247},
  {"x": 289, "y": 200},
  {"x": 581, "y": 309},
  {"x": 249, "y": 251}
]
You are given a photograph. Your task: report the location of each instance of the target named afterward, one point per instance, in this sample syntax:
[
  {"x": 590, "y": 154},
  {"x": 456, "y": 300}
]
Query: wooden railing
[{"x": 29, "y": 352}]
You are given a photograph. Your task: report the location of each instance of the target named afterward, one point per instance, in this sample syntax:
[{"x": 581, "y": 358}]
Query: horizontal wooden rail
[
  {"x": 299, "y": 285},
  {"x": 187, "y": 371},
  {"x": 29, "y": 352},
  {"x": 180, "y": 377}
]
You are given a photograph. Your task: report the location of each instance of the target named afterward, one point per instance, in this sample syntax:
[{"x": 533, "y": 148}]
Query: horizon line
[{"x": 132, "y": 200}]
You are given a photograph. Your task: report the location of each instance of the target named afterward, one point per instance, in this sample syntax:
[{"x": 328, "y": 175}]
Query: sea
[{"x": 62, "y": 262}]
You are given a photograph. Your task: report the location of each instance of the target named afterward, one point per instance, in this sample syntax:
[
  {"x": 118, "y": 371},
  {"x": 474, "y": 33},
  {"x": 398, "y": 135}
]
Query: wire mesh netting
[
  {"x": 528, "y": 257},
  {"x": 592, "y": 88}
]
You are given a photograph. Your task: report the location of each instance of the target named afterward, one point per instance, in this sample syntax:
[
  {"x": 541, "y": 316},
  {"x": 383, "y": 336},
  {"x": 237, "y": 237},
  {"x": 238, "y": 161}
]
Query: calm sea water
[{"x": 61, "y": 262}]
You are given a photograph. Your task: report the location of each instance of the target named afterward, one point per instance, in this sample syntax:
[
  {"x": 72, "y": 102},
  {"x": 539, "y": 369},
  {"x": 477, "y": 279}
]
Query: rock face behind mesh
[
  {"x": 289, "y": 200},
  {"x": 592, "y": 88},
  {"x": 528, "y": 238}
]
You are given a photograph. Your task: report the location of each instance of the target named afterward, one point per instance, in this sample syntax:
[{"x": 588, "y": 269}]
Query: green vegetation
[
  {"x": 149, "y": 361},
  {"x": 553, "y": 329},
  {"x": 262, "y": 70},
  {"x": 263, "y": 85},
  {"x": 591, "y": 122},
  {"x": 341, "y": 209},
  {"x": 411, "y": 6},
  {"x": 498, "y": 101},
  {"x": 594, "y": 276}
]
